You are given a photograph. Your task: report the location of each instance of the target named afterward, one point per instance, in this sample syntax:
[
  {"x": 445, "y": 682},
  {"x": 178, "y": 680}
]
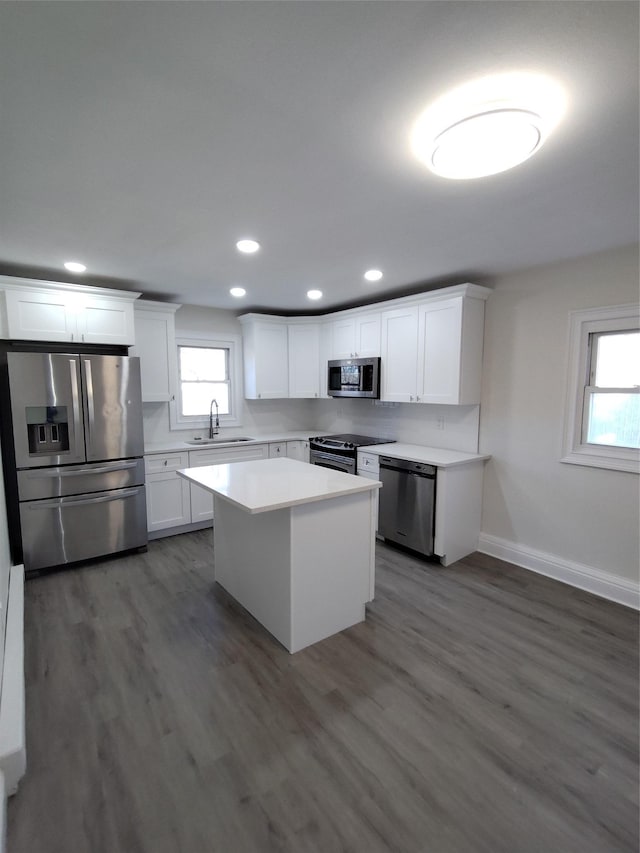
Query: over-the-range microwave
[{"x": 354, "y": 377}]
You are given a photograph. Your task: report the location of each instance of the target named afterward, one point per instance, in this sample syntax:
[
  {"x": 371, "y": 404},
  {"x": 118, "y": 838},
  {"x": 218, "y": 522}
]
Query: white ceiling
[{"x": 144, "y": 139}]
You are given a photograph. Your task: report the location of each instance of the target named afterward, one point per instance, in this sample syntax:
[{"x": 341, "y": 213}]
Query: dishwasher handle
[{"x": 420, "y": 469}]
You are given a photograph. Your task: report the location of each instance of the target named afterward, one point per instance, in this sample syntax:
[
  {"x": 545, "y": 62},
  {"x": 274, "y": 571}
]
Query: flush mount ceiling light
[
  {"x": 247, "y": 246},
  {"x": 237, "y": 292},
  {"x": 373, "y": 275},
  {"x": 74, "y": 266},
  {"x": 488, "y": 125},
  {"x": 314, "y": 294}
]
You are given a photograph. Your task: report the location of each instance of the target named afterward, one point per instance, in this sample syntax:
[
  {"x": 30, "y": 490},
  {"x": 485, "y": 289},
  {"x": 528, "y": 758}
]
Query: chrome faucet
[{"x": 213, "y": 432}]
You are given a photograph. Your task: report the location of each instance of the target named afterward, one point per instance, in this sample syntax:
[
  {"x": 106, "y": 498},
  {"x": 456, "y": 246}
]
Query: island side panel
[
  {"x": 332, "y": 560},
  {"x": 252, "y": 557}
]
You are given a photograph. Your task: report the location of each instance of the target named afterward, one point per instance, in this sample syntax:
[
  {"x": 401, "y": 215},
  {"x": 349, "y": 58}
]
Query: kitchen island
[{"x": 293, "y": 543}]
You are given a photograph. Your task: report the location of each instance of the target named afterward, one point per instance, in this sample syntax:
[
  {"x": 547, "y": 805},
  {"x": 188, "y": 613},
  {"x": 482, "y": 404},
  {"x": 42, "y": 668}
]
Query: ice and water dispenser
[{"x": 47, "y": 429}]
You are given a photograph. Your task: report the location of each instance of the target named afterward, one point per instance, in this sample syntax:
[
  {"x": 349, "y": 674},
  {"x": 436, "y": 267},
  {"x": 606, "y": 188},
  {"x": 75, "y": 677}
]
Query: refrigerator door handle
[
  {"x": 116, "y": 495},
  {"x": 48, "y": 473},
  {"x": 75, "y": 402},
  {"x": 91, "y": 415}
]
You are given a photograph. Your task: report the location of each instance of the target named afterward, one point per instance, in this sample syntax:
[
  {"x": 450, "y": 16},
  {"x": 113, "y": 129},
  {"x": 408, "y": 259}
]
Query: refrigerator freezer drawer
[
  {"x": 37, "y": 483},
  {"x": 64, "y": 530}
]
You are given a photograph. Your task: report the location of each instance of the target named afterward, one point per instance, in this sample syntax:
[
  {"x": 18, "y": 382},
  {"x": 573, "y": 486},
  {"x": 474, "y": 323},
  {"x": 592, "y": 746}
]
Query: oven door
[{"x": 333, "y": 461}]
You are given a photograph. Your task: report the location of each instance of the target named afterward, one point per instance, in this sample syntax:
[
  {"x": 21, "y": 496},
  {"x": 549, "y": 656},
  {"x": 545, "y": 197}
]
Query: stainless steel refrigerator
[{"x": 78, "y": 442}]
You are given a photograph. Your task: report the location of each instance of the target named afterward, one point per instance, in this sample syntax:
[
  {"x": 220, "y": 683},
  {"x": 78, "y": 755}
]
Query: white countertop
[
  {"x": 419, "y": 453},
  {"x": 261, "y": 438},
  {"x": 268, "y": 484}
]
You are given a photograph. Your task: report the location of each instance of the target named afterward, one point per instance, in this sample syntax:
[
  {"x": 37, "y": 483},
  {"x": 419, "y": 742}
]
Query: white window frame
[
  {"x": 582, "y": 324},
  {"x": 178, "y": 421}
]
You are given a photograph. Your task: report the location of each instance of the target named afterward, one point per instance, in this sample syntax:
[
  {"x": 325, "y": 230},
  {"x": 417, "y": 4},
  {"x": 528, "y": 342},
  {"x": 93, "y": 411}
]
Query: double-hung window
[
  {"x": 207, "y": 381},
  {"x": 603, "y": 405}
]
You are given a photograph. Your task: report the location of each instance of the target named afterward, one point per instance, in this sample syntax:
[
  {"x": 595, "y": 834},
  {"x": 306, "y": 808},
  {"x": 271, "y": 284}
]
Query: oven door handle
[{"x": 344, "y": 462}]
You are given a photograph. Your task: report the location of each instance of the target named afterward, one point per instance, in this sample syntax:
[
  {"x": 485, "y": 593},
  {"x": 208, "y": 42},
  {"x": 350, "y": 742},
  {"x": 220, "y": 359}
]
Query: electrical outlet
[{"x": 440, "y": 422}]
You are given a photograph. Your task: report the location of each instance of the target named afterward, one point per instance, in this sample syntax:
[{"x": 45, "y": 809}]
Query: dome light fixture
[
  {"x": 247, "y": 246},
  {"x": 488, "y": 125},
  {"x": 373, "y": 275},
  {"x": 314, "y": 294},
  {"x": 74, "y": 266},
  {"x": 238, "y": 292}
]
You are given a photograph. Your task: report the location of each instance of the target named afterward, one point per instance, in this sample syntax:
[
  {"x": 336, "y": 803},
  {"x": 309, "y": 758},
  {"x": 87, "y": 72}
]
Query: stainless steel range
[{"x": 340, "y": 452}]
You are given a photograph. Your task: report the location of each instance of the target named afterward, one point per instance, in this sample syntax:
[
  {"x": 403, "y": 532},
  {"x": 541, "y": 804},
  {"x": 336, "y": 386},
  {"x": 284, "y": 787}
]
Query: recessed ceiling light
[
  {"x": 488, "y": 125},
  {"x": 74, "y": 266},
  {"x": 314, "y": 294},
  {"x": 373, "y": 275},
  {"x": 237, "y": 291},
  {"x": 247, "y": 246}
]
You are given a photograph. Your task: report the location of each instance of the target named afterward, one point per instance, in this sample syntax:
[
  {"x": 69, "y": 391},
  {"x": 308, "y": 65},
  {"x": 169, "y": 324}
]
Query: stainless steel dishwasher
[{"x": 407, "y": 503}]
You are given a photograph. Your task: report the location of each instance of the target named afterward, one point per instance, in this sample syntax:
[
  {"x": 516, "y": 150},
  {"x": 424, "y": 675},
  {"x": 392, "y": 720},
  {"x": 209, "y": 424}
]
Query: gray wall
[{"x": 587, "y": 516}]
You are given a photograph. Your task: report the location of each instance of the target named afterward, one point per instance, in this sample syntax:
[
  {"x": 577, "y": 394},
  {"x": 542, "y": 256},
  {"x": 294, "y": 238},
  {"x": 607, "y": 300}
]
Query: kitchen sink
[{"x": 199, "y": 441}]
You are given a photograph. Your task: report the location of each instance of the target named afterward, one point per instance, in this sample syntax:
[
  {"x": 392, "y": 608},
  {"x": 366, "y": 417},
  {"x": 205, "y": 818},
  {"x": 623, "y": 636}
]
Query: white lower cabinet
[
  {"x": 168, "y": 495},
  {"x": 298, "y": 450},
  {"x": 172, "y": 502},
  {"x": 202, "y": 501},
  {"x": 369, "y": 467}
]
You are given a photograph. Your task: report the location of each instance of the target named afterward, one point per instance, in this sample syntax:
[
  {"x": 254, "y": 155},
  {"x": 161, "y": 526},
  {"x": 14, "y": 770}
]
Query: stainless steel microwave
[{"x": 354, "y": 377}]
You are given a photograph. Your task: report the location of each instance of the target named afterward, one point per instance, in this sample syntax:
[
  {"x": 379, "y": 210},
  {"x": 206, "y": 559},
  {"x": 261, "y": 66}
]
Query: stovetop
[{"x": 348, "y": 440}]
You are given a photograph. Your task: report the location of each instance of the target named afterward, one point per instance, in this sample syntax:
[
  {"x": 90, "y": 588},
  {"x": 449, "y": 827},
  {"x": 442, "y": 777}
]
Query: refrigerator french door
[{"x": 78, "y": 442}]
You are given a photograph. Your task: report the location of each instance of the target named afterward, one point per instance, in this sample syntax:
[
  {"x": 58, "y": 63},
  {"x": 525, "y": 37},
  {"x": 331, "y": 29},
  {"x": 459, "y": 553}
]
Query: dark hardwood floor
[{"x": 479, "y": 708}]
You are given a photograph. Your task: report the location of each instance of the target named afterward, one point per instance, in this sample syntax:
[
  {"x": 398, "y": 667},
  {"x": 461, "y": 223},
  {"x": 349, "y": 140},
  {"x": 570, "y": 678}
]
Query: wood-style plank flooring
[{"x": 479, "y": 709}]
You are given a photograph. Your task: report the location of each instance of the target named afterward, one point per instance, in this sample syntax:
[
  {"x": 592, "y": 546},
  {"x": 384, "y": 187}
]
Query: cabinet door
[
  {"x": 201, "y": 500},
  {"x": 155, "y": 346},
  {"x": 304, "y": 360},
  {"x": 40, "y": 316},
  {"x": 367, "y": 334},
  {"x": 439, "y": 352},
  {"x": 298, "y": 450},
  {"x": 343, "y": 338},
  {"x": 168, "y": 501},
  {"x": 106, "y": 321},
  {"x": 399, "y": 355},
  {"x": 267, "y": 362}
]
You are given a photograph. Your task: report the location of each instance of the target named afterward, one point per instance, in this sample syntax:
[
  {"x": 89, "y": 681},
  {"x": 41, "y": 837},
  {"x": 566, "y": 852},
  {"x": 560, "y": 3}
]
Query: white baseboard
[{"x": 575, "y": 574}]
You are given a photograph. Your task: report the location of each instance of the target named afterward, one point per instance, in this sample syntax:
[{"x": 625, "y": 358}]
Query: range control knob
[{"x": 350, "y": 444}]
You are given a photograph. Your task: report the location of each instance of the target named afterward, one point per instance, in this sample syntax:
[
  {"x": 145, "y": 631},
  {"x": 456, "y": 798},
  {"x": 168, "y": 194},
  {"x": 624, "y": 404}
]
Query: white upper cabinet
[
  {"x": 304, "y": 359},
  {"x": 432, "y": 351},
  {"x": 355, "y": 336},
  {"x": 103, "y": 320},
  {"x": 156, "y": 347},
  {"x": 399, "y": 364},
  {"x": 266, "y": 357},
  {"x": 52, "y": 311},
  {"x": 430, "y": 346},
  {"x": 450, "y": 341}
]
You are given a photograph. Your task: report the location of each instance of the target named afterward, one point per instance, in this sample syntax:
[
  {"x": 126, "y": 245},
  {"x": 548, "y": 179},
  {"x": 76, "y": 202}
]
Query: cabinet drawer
[
  {"x": 368, "y": 462},
  {"x": 166, "y": 462},
  {"x": 279, "y": 449},
  {"x": 198, "y": 458}
]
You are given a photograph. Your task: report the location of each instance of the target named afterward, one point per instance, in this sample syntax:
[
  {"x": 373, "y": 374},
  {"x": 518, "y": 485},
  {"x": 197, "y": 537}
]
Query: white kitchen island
[{"x": 293, "y": 543}]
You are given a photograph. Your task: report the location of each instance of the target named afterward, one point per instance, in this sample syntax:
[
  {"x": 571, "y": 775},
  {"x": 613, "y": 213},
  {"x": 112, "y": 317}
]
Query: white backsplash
[{"x": 448, "y": 427}]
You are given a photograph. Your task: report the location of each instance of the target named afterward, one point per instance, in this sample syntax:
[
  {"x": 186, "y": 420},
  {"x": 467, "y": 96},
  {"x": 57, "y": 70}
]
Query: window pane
[
  {"x": 202, "y": 364},
  {"x": 197, "y": 397},
  {"x": 614, "y": 420},
  {"x": 618, "y": 360}
]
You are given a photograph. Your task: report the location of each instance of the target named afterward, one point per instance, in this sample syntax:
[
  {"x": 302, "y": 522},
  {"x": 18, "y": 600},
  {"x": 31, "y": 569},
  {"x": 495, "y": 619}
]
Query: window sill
[{"x": 629, "y": 461}]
